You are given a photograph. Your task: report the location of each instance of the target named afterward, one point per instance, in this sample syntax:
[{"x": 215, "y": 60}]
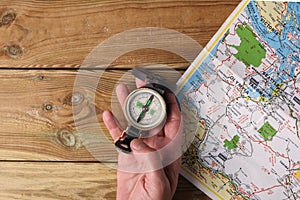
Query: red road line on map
[
  {"x": 223, "y": 61},
  {"x": 197, "y": 89},
  {"x": 268, "y": 67},
  {"x": 281, "y": 17},
  {"x": 264, "y": 190},
  {"x": 234, "y": 30}
]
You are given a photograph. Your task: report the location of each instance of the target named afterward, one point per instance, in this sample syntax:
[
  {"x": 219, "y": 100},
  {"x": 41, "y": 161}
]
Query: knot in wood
[
  {"x": 14, "y": 51},
  {"x": 66, "y": 138},
  {"x": 7, "y": 18},
  {"x": 48, "y": 107},
  {"x": 77, "y": 98},
  {"x": 74, "y": 98}
]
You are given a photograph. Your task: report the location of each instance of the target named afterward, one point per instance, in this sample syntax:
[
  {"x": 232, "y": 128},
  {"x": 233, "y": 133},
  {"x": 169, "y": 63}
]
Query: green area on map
[
  {"x": 232, "y": 143},
  {"x": 250, "y": 51},
  {"x": 267, "y": 131}
]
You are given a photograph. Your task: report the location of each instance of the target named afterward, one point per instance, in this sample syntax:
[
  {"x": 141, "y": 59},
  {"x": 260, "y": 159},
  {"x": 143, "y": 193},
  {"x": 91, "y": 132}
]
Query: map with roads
[{"x": 241, "y": 103}]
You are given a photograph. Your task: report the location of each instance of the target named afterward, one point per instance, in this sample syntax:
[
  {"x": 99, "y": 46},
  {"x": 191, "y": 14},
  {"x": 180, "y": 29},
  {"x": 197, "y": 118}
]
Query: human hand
[{"x": 160, "y": 182}]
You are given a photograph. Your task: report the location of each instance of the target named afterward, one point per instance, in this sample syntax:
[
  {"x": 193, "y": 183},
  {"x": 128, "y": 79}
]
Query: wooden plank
[
  {"x": 36, "y": 116},
  {"x": 60, "y": 34},
  {"x": 56, "y": 180},
  {"x": 36, "y": 119},
  {"x": 26, "y": 180}
]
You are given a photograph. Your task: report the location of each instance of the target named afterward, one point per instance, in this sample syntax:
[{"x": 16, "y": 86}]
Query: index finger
[
  {"x": 122, "y": 93},
  {"x": 174, "y": 113}
]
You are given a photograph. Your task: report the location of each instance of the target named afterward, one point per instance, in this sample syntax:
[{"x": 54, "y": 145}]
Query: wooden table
[{"x": 43, "y": 44}]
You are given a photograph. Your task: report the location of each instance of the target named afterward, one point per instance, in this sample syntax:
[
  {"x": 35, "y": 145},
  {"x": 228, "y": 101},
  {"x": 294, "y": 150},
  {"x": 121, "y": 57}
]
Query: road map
[{"x": 243, "y": 92}]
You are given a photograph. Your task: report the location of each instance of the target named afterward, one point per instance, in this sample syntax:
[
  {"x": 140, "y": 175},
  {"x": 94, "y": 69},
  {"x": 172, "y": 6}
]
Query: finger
[
  {"x": 111, "y": 124},
  {"x": 140, "y": 83},
  {"x": 122, "y": 93},
  {"x": 173, "y": 107},
  {"x": 173, "y": 123}
]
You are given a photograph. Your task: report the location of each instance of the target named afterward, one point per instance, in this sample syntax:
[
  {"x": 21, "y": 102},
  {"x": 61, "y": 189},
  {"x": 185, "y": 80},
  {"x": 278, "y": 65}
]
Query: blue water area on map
[
  {"x": 286, "y": 49},
  {"x": 206, "y": 66}
]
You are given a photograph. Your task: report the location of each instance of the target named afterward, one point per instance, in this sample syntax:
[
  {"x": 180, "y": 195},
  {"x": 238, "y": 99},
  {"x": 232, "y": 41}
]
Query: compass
[{"x": 144, "y": 108}]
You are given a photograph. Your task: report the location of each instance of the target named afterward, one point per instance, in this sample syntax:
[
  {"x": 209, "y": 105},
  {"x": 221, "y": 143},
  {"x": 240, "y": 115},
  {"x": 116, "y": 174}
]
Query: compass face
[{"x": 145, "y": 109}]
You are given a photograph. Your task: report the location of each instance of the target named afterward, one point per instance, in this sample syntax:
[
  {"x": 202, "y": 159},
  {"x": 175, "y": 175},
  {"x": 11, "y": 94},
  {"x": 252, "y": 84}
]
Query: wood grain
[
  {"x": 50, "y": 180},
  {"x": 60, "y": 181},
  {"x": 36, "y": 119},
  {"x": 60, "y": 34}
]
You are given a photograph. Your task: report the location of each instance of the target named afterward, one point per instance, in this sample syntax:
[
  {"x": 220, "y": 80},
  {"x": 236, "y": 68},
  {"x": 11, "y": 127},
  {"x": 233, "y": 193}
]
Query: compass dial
[{"x": 145, "y": 109}]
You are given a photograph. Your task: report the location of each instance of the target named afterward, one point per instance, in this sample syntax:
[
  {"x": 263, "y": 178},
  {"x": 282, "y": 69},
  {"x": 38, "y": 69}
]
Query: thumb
[{"x": 138, "y": 146}]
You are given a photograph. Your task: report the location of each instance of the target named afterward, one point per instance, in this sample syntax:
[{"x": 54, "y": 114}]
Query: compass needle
[
  {"x": 150, "y": 100},
  {"x": 145, "y": 109},
  {"x": 141, "y": 116}
]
